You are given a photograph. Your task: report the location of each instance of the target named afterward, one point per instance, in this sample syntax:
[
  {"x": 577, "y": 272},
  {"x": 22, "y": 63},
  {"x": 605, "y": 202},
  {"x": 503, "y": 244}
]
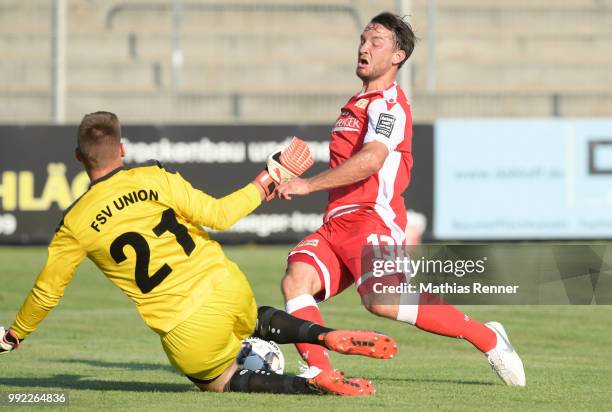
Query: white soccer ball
[{"x": 258, "y": 354}]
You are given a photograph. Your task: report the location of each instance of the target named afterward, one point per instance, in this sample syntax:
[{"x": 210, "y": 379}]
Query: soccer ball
[{"x": 261, "y": 355}]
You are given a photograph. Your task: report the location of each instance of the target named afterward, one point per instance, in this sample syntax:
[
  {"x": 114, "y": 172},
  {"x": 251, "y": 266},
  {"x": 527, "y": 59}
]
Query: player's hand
[
  {"x": 284, "y": 164},
  {"x": 291, "y": 187},
  {"x": 8, "y": 340}
]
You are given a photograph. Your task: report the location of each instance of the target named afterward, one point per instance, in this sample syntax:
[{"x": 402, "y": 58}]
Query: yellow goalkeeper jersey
[{"x": 142, "y": 227}]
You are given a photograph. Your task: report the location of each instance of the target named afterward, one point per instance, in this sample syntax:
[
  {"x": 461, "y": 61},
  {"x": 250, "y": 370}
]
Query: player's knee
[
  {"x": 300, "y": 278},
  {"x": 385, "y": 311},
  {"x": 217, "y": 388},
  {"x": 214, "y": 386},
  {"x": 220, "y": 383},
  {"x": 293, "y": 285},
  {"x": 211, "y": 388}
]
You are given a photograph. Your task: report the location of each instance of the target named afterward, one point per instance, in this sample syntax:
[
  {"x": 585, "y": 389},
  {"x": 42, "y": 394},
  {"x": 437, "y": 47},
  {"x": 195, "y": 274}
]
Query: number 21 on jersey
[{"x": 144, "y": 281}]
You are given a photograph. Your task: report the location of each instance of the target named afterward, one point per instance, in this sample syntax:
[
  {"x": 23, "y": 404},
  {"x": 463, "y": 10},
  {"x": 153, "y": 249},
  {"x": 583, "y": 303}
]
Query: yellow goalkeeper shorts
[{"x": 207, "y": 343}]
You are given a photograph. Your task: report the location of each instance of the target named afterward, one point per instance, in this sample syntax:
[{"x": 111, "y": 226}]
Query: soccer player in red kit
[{"x": 369, "y": 169}]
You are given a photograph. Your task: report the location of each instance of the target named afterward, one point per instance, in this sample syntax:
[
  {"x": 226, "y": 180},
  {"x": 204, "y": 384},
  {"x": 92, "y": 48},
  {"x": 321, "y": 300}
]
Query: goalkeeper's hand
[
  {"x": 8, "y": 340},
  {"x": 285, "y": 164}
]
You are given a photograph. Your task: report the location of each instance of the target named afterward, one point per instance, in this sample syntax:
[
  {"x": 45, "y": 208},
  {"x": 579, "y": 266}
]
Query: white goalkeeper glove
[
  {"x": 285, "y": 164},
  {"x": 8, "y": 340}
]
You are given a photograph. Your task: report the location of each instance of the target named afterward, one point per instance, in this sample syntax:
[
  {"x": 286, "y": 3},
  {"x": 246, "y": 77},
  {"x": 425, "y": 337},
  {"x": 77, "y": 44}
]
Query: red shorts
[{"x": 335, "y": 249}]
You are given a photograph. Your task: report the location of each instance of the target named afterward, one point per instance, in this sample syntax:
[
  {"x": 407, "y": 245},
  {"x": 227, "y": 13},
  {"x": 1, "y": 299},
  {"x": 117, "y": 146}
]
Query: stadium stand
[{"x": 284, "y": 61}]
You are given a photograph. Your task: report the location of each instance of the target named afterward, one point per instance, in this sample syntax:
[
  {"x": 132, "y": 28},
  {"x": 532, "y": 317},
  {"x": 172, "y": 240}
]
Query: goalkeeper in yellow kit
[{"x": 142, "y": 226}]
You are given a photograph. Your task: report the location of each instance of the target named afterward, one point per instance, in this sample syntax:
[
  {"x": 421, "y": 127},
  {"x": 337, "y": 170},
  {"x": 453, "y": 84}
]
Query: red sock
[
  {"x": 437, "y": 316},
  {"x": 313, "y": 355}
]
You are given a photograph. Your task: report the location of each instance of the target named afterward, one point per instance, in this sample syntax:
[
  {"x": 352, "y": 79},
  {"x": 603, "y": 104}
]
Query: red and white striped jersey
[{"x": 383, "y": 116}]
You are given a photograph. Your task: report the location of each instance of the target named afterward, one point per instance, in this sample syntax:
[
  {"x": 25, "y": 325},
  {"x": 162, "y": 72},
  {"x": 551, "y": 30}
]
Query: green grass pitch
[{"x": 95, "y": 347}]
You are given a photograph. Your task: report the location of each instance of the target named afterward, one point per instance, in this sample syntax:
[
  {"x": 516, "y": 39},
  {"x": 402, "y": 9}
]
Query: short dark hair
[
  {"x": 98, "y": 132},
  {"x": 402, "y": 32}
]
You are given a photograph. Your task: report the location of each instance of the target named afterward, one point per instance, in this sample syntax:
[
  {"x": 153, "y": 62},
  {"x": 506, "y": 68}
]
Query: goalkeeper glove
[
  {"x": 285, "y": 164},
  {"x": 8, "y": 340}
]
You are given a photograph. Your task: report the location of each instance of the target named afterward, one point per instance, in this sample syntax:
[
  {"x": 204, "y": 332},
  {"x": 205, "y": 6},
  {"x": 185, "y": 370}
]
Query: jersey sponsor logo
[
  {"x": 346, "y": 121},
  {"x": 362, "y": 103},
  {"x": 308, "y": 242},
  {"x": 385, "y": 124}
]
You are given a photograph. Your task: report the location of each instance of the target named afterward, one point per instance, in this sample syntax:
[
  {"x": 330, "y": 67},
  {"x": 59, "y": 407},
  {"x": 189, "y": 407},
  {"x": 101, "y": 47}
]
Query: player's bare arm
[
  {"x": 362, "y": 165},
  {"x": 260, "y": 189}
]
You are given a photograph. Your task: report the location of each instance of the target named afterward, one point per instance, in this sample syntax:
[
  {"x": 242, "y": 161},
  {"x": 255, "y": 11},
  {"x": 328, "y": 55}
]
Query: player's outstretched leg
[
  {"x": 430, "y": 313},
  {"x": 281, "y": 327},
  {"x": 326, "y": 382},
  {"x": 329, "y": 381}
]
